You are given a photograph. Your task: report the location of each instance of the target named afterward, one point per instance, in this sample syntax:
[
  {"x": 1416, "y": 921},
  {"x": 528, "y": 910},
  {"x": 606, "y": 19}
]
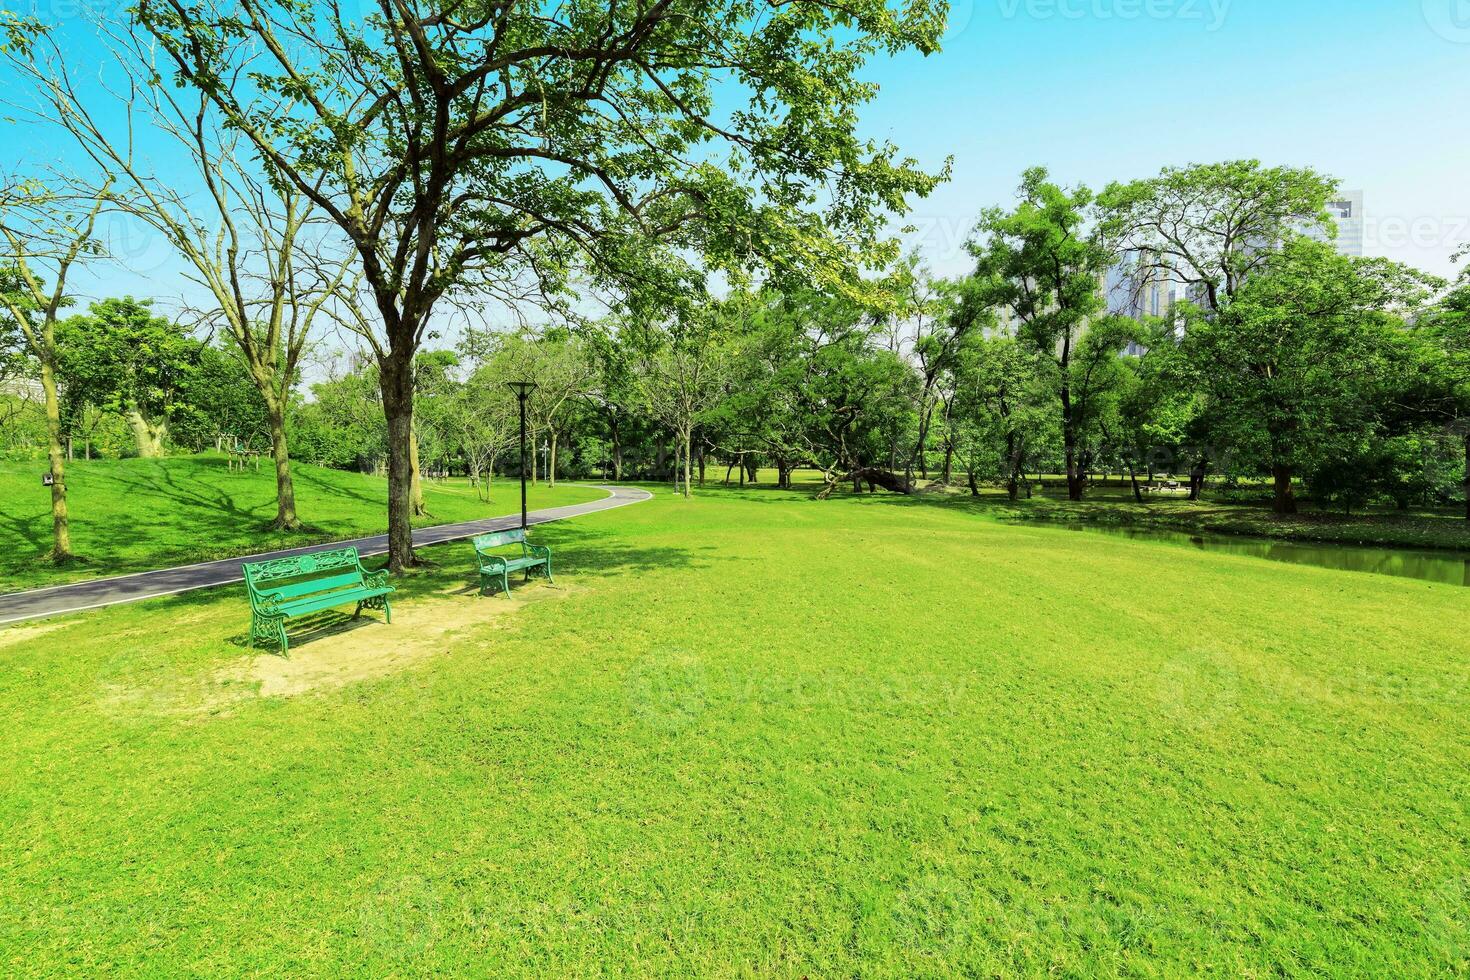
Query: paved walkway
[{"x": 95, "y": 593}]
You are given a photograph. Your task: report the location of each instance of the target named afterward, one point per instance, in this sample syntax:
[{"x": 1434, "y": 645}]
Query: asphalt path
[{"x": 56, "y": 600}]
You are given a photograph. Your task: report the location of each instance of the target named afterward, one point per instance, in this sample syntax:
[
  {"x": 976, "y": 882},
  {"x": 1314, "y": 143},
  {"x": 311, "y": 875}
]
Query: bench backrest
[
  {"x": 499, "y": 539},
  {"x": 319, "y": 571}
]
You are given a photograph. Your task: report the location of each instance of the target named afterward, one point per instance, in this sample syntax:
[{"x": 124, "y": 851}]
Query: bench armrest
[
  {"x": 376, "y": 580},
  {"x": 265, "y": 603},
  {"x": 489, "y": 563},
  {"x": 538, "y": 549}
]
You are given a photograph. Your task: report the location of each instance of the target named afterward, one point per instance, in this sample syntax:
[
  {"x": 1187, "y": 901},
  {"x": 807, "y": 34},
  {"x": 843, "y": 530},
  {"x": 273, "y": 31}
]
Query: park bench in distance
[
  {"x": 497, "y": 568},
  {"x": 283, "y": 588}
]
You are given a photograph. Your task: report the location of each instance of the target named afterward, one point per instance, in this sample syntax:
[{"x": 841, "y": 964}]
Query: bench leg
[
  {"x": 269, "y": 629},
  {"x": 378, "y": 602}
]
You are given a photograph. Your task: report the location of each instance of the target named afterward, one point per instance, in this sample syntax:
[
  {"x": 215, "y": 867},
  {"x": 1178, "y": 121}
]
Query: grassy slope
[
  {"x": 761, "y": 734},
  {"x": 135, "y": 514}
]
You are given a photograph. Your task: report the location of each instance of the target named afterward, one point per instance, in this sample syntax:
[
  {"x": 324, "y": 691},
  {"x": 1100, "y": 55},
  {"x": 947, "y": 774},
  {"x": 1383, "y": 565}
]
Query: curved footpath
[{"x": 95, "y": 593}]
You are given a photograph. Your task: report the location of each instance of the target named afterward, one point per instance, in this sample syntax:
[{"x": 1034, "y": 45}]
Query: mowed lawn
[
  {"x": 130, "y": 515},
  {"x": 758, "y": 734}
]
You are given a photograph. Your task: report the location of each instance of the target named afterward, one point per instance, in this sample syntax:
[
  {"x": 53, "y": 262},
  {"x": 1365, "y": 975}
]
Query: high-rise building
[{"x": 1346, "y": 211}]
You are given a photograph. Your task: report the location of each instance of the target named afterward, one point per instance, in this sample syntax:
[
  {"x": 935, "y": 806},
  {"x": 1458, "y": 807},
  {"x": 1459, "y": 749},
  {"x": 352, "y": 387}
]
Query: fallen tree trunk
[{"x": 871, "y": 475}]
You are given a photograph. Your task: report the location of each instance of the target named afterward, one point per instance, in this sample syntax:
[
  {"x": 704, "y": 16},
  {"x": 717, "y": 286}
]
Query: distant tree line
[{"x": 403, "y": 178}]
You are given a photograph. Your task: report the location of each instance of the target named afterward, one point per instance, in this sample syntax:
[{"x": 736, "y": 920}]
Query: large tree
[
  {"x": 46, "y": 232},
  {"x": 122, "y": 357},
  {"x": 1447, "y": 328},
  {"x": 1043, "y": 262},
  {"x": 1207, "y": 227},
  {"x": 1296, "y": 366},
  {"x": 463, "y": 149},
  {"x": 248, "y": 238},
  {"x": 682, "y": 376}
]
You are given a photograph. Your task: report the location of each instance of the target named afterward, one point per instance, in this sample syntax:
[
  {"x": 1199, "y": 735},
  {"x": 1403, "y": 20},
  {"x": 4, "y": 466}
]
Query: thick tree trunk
[
  {"x": 286, "y": 518},
  {"x": 617, "y": 446},
  {"x": 395, "y": 374},
  {"x": 974, "y": 486},
  {"x": 892, "y": 482},
  {"x": 926, "y": 418},
  {"x": 60, "y": 523},
  {"x": 1197, "y": 478},
  {"x": 148, "y": 434},
  {"x": 1285, "y": 496},
  {"x": 1075, "y": 481}
]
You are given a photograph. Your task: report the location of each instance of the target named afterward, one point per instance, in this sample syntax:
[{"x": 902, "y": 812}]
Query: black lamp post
[{"x": 522, "y": 389}]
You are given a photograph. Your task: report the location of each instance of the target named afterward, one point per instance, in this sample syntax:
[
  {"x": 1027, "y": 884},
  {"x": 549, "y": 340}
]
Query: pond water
[{"x": 1446, "y": 567}]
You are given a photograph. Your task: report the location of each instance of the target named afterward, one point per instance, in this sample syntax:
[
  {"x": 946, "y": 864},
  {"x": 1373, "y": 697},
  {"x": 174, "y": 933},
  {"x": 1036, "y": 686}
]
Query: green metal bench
[
  {"x": 497, "y": 568},
  {"x": 284, "y": 588}
]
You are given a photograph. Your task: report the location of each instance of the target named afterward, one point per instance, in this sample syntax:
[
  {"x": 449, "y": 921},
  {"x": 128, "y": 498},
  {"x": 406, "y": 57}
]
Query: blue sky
[
  {"x": 1374, "y": 92},
  {"x": 1371, "y": 91}
]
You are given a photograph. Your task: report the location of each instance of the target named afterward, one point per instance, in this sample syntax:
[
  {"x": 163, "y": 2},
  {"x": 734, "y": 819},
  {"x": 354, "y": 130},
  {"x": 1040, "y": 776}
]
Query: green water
[{"x": 1446, "y": 567}]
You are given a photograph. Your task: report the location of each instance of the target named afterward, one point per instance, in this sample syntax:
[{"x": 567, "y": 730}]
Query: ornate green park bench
[
  {"x": 283, "y": 588},
  {"x": 497, "y": 568}
]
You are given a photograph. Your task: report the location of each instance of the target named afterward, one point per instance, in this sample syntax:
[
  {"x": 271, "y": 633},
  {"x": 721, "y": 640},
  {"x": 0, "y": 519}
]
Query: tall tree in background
[
  {"x": 465, "y": 150},
  {"x": 682, "y": 376},
  {"x": 1043, "y": 261},
  {"x": 563, "y": 368},
  {"x": 1447, "y": 329},
  {"x": 46, "y": 232},
  {"x": 1209, "y": 226},
  {"x": 247, "y": 237},
  {"x": 1294, "y": 366},
  {"x": 121, "y": 357}
]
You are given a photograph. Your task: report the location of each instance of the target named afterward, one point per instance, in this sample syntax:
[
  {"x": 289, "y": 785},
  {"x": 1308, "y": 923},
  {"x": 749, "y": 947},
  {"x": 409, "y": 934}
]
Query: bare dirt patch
[
  {"x": 14, "y": 635},
  {"x": 337, "y": 651}
]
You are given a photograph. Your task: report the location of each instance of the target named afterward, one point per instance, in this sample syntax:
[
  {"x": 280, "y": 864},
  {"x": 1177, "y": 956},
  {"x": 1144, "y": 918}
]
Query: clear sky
[{"x": 1374, "y": 92}]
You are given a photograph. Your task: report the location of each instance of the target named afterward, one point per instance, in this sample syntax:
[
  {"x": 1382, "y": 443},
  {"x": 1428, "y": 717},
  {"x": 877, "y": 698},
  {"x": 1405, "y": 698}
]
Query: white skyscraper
[{"x": 1346, "y": 211}]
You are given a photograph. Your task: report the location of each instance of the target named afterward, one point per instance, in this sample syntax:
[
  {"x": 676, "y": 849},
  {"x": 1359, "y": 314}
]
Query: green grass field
[
  {"x": 756, "y": 734},
  {"x": 135, "y": 514}
]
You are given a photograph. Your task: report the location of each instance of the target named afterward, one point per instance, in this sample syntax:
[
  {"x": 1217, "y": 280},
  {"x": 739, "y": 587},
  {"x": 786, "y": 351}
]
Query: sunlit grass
[{"x": 753, "y": 733}]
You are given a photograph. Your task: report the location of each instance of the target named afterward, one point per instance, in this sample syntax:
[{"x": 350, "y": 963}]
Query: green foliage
[
  {"x": 1298, "y": 366},
  {"x": 1209, "y": 227},
  {"x": 1043, "y": 263},
  {"x": 221, "y": 404},
  {"x": 122, "y": 358}
]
